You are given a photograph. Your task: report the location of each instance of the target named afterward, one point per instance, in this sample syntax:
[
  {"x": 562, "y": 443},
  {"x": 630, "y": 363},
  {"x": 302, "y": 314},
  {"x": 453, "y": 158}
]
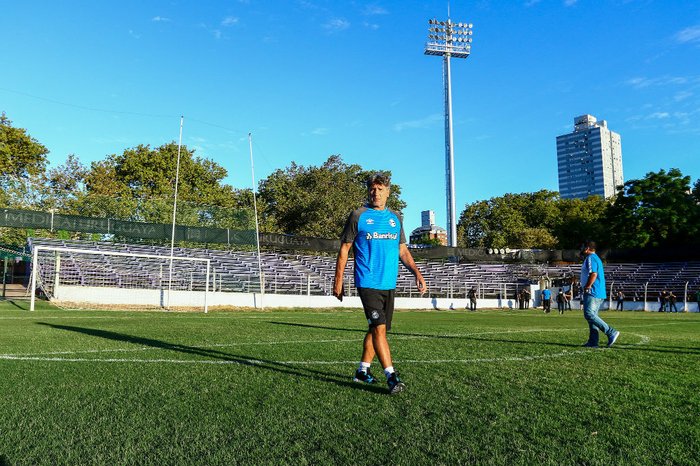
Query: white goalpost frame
[{"x": 35, "y": 266}]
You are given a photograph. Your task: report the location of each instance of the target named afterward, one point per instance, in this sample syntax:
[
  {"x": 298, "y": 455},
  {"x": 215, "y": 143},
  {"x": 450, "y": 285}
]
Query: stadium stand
[{"x": 237, "y": 271}]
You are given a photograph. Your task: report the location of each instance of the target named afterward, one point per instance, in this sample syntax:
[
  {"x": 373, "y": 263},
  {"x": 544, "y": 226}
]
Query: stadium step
[{"x": 14, "y": 291}]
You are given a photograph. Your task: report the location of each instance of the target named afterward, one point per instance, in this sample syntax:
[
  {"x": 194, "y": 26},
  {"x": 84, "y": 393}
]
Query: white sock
[
  {"x": 364, "y": 366},
  {"x": 388, "y": 371}
]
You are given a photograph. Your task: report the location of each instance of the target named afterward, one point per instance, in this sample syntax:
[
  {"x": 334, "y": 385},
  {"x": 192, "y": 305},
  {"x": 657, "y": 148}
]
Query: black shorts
[{"x": 379, "y": 306}]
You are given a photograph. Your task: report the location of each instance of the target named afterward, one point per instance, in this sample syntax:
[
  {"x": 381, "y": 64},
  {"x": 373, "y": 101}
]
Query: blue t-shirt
[
  {"x": 593, "y": 264},
  {"x": 546, "y": 294},
  {"x": 376, "y": 236}
]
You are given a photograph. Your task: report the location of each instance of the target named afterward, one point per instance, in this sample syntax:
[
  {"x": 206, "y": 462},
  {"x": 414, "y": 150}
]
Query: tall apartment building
[{"x": 589, "y": 159}]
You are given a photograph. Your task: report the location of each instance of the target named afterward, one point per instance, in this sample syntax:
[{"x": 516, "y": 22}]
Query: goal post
[{"x": 119, "y": 280}]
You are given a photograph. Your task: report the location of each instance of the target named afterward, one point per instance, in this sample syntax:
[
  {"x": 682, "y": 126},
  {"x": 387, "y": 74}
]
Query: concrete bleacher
[{"x": 238, "y": 271}]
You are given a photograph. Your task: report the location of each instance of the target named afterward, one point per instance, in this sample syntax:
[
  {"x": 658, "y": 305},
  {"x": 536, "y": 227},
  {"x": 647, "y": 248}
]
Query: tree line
[{"x": 658, "y": 210}]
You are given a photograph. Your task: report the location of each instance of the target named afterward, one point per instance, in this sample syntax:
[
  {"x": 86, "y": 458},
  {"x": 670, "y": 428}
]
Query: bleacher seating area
[{"x": 237, "y": 271}]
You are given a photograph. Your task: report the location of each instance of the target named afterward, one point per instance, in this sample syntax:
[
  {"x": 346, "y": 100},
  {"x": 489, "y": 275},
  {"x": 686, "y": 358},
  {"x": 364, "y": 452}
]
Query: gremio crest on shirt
[{"x": 392, "y": 222}]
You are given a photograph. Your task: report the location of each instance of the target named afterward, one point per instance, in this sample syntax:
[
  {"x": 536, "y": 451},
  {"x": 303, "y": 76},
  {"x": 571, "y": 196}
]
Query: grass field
[{"x": 490, "y": 387}]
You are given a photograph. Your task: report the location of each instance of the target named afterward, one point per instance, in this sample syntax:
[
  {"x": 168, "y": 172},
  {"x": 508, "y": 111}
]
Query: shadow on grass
[
  {"x": 584, "y": 332},
  {"x": 14, "y": 303},
  {"x": 358, "y": 330},
  {"x": 243, "y": 360}
]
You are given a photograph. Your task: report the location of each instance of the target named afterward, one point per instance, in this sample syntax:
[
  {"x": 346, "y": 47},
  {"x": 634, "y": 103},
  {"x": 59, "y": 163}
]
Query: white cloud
[
  {"x": 319, "y": 131},
  {"x": 530, "y": 3},
  {"x": 421, "y": 123},
  {"x": 336, "y": 25},
  {"x": 570, "y": 2},
  {"x": 659, "y": 116},
  {"x": 229, "y": 21},
  {"x": 641, "y": 82},
  {"x": 374, "y": 10},
  {"x": 682, "y": 95},
  {"x": 134, "y": 34},
  {"x": 690, "y": 34},
  {"x": 371, "y": 26},
  {"x": 160, "y": 19}
]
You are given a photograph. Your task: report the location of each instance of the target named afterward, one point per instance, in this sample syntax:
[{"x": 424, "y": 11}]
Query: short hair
[
  {"x": 588, "y": 244},
  {"x": 378, "y": 178}
]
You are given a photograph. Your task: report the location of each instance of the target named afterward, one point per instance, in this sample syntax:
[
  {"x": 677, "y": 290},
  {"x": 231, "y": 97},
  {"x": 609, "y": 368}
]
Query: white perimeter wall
[{"x": 158, "y": 298}]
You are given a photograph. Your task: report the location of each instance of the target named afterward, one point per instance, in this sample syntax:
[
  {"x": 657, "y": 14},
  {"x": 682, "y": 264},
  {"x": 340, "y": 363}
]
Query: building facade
[
  {"x": 428, "y": 230},
  {"x": 589, "y": 160}
]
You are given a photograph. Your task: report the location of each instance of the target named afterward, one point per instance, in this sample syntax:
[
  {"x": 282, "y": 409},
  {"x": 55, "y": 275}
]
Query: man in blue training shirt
[
  {"x": 593, "y": 282},
  {"x": 375, "y": 233},
  {"x": 546, "y": 300}
]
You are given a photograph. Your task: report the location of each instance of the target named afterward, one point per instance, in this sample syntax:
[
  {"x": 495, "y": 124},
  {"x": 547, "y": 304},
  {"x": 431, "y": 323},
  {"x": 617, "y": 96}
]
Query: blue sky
[{"x": 311, "y": 78}]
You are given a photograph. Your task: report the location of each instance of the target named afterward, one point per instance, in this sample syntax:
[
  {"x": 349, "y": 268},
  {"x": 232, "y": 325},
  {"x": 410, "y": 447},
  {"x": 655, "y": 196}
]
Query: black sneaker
[
  {"x": 395, "y": 384},
  {"x": 365, "y": 377},
  {"x": 589, "y": 345}
]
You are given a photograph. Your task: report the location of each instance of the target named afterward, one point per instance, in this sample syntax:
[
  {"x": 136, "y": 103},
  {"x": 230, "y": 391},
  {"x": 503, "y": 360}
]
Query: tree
[
  {"x": 513, "y": 220},
  {"x": 581, "y": 219},
  {"x": 657, "y": 210},
  {"x": 316, "y": 201},
  {"x": 539, "y": 220},
  {"x": 139, "y": 185},
  {"x": 427, "y": 241},
  {"x": 22, "y": 164},
  {"x": 20, "y": 154},
  {"x": 66, "y": 187}
]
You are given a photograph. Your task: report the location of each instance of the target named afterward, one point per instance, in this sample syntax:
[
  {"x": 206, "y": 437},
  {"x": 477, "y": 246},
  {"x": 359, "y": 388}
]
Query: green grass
[{"x": 491, "y": 387}]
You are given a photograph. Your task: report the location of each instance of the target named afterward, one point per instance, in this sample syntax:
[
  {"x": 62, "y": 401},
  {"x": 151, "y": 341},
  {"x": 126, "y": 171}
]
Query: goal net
[{"x": 95, "y": 279}]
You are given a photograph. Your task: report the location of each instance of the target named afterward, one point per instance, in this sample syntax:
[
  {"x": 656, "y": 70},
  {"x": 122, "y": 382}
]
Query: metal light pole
[{"x": 448, "y": 39}]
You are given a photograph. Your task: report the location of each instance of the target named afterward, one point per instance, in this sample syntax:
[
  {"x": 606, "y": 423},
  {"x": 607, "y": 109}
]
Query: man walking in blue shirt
[
  {"x": 593, "y": 281},
  {"x": 376, "y": 235}
]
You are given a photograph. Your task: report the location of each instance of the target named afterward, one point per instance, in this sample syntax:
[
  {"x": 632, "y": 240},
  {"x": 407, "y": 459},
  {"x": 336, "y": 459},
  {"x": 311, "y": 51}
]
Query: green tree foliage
[
  {"x": 20, "y": 154},
  {"x": 657, "y": 210},
  {"x": 22, "y": 164},
  {"x": 427, "y": 241},
  {"x": 139, "y": 185},
  {"x": 316, "y": 201},
  {"x": 65, "y": 187},
  {"x": 530, "y": 220},
  {"x": 581, "y": 219}
]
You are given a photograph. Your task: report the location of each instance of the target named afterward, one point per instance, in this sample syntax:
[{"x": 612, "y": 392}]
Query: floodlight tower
[{"x": 449, "y": 39}]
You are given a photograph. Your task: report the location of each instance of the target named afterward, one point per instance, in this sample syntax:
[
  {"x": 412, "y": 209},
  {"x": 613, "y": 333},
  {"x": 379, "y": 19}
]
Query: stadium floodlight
[
  {"x": 177, "y": 182},
  {"x": 448, "y": 39}
]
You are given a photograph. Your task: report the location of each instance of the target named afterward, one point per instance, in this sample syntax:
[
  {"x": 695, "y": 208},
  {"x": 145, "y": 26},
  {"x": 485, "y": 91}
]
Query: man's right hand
[{"x": 338, "y": 290}]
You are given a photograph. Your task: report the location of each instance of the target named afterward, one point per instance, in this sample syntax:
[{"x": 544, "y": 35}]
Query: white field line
[
  {"x": 13, "y": 357},
  {"x": 283, "y": 342}
]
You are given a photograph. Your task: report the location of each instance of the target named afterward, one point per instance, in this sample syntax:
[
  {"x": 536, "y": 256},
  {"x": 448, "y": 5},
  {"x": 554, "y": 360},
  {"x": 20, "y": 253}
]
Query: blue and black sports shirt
[{"x": 376, "y": 236}]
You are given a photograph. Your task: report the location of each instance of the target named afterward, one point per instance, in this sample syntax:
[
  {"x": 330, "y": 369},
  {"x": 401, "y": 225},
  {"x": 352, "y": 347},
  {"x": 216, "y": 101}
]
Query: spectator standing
[
  {"x": 620, "y": 297},
  {"x": 593, "y": 282},
  {"x": 526, "y": 296},
  {"x": 663, "y": 299},
  {"x": 568, "y": 295},
  {"x": 546, "y": 300},
  {"x": 561, "y": 299},
  {"x": 672, "y": 302},
  {"x": 472, "y": 299}
]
